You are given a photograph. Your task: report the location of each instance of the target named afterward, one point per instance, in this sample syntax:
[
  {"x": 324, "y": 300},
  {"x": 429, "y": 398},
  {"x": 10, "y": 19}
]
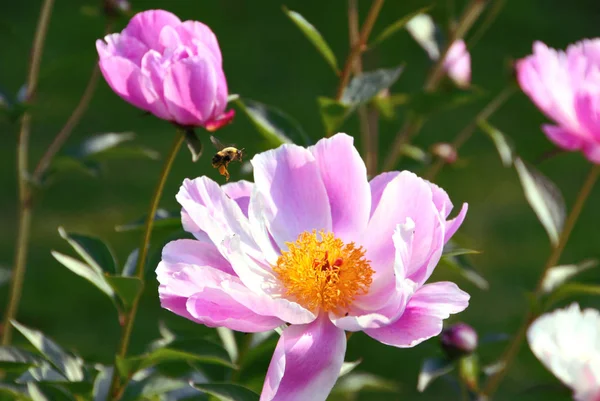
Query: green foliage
[
  {"x": 431, "y": 369},
  {"x": 227, "y": 391}
]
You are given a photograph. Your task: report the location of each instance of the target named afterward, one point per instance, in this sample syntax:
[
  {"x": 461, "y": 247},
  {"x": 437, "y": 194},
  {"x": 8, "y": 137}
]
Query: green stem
[
  {"x": 129, "y": 317},
  {"x": 244, "y": 349},
  {"x": 513, "y": 348},
  {"x": 22, "y": 245},
  {"x": 464, "y": 135}
]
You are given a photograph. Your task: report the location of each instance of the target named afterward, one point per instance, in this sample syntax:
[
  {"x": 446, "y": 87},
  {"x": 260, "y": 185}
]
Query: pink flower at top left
[{"x": 169, "y": 68}]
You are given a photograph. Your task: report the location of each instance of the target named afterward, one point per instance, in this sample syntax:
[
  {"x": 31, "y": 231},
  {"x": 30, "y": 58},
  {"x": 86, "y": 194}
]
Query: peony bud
[
  {"x": 444, "y": 151},
  {"x": 169, "y": 68},
  {"x": 459, "y": 339},
  {"x": 458, "y": 64}
]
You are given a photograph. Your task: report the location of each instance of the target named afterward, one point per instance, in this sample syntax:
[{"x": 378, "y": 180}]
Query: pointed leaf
[
  {"x": 228, "y": 339},
  {"x": 70, "y": 366},
  {"x": 348, "y": 367},
  {"x": 194, "y": 144},
  {"x": 333, "y": 113},
  {"x": 16, "y": 359},
  {"x": 570, "y": 290},
  {"x": 430, "y": 103},
  {"x": 502, "y": 142},
  {"x": 459, "y": 264},
  {"x": 102, "y": 383},
  {"x": 426, "y": 33},
  {"x": 131, "y": 263},
  {"x": 162, "y": 219},
  {"x": 431, "y": 369},
  {"x": 314, "y": 37},
  {"x": 396, "y": 26},
  {"x": 353, "y": 383},
  {"x": 37, "y": 392},
  {"x": 366, "y": 86},
  {"x": 458, "y": 252},
  {"x": 10, "y": 392},
  {"x": 85, "y": 271},
  {"x": 227, "y": 391},
  {"x": 544, "y": 197},
  {"x": 5, "y": 275},
  {"x": 99, "y": 143},
  {"x": 415, "y": 153},
  {"x": 127, "y": 288},
  {"x": 93, "y": 251},
  {"x": 126, "y": 152},
  {"x": 558, "y": 275},
  {"x": 276, "y": 126}
]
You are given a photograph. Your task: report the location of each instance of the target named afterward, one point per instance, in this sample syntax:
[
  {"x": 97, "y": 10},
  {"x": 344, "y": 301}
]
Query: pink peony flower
[
  {"x": 313, "y": 244},
  {"x": 566, "y": 87},
  {"x": 170, "y": 68},
  {"x": 567, "y": 342},
  {"x": 458, "y": 64}
]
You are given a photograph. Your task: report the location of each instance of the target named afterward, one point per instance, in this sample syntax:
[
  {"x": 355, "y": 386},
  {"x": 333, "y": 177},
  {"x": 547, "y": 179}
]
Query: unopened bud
[
  {"x": 459, "y": 339},
  {"x": 116, "y": 7},
  {"x": 444, "y": 151}
]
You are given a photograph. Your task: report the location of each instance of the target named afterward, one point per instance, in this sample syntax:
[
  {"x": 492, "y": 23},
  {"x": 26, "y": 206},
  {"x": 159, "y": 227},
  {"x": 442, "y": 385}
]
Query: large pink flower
[
  {"x": 170, "y": 68},
  {"x": 566, "y": 87},
  {"x": 314, "y": 244}
]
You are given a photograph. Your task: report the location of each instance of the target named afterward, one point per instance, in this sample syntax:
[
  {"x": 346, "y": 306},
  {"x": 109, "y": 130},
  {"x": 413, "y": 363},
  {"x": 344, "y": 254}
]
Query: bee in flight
[{"x": 224, "y": 156}]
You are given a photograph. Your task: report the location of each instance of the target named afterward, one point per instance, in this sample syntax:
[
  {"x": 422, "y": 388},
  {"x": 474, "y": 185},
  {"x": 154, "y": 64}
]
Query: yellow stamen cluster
[{"x": 320, "y": 271}]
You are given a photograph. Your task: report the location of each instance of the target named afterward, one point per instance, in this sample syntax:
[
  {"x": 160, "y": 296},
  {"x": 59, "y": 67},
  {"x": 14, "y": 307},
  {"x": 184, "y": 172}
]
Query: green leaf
[
  {"x": 314, "y": 37},
  {"x": 16, "y": 359},
  {"x": 131, "y": 263},
  {"x": 196, "y": 350},
  {"x": 333, "y": 113},
  {"x": 415, "y": 153},
  {"x": 71, "y": 367},
  {"x": 352, "y": 383},
  {"x": 558, "y": 275},
  {"x": 431, "y": 369},
  {"x": 100, "y": 143},
  {"x": 102, "y": 383},
  {"x": 348, "y": 367},
  {"x": 126, "y": 152},
  {"x": 275, "y": 126},
  {"x": 162, "y": 219},
  {"x": 426, "y": 33},
  {"x": 194, "y": 144},
  {"x": 92, "y": 250},
  {"x": 228, "y": 339},
  {"x": 458, "y": 251},
  {"x": 156, "y": 387},
  {"x": 544, "y": 197},
  {"x": 37, "y": 392},
  {"x": 85, "y": 271},
  {"x": 5, "y": 276},
  {"x": 127, "y": 288},
  {"x": 430, "y": 103},
  {"x": 502, "y": 142},
  {"x": 63, "y": 164},
  {"x": 570, "y": 290},
  {"x": 227, "y": 391},
  {"x": 364, "y": 87},
  {"x": 460, "y": 265},
  {"x": 396, "y": 26},
  {"x": 11, "y": 392}
]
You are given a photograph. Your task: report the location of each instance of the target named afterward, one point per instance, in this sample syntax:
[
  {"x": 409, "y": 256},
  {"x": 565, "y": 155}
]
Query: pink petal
[
  {"x": 562, "y": 137},
  {"x": 153, "y": 72},
  {"x": 189, "y": 251},
  {"x": 169, "y": 38},
  {"x": 377, "y": 185},
  {"x": 345, "y": 177},
  {"x": 220, "y": 217},
  {"x": 240, "y": 192},
  {"x": 591, "y": 150},
  {"x": 406, "y": 196},
  {"x": 454, "y": 224},
  {"x": 215, "y": 308},
  {"x": 458, "y": 63},
  {"x": 424, "y": 315},
  {"x": 306, "y": 363},
  {"x": 125, "y": 79},
  {"x": 295, "y": 198},
  {"x": 194, "y": 32},
  {"x": 219, "y": 122},
  {"x": 121, "y": 45},
  {"x": 147, "y": 26},
  {"x": 190, "y": 87},
  {"x": 587, "y": 109}
]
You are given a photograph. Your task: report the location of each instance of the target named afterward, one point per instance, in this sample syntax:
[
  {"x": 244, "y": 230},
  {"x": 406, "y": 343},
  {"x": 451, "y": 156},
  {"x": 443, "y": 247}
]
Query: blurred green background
[{"x": 266, "y": 58}]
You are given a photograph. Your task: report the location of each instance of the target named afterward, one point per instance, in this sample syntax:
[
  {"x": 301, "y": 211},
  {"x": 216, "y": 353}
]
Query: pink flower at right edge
[
  {"x": 567, "y": 342},
  {"x": 565, "y": 86},
  {"x": 314, "y": 244},
  {"x": 458, "y": 64},
  {"x": 169, "y": 68}
]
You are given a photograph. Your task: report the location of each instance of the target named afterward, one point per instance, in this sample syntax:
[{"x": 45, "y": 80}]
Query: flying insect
[{"x": 224, "y": 156}]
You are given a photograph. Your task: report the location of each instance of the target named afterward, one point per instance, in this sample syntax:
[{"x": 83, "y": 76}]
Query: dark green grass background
[{"x": 267, "y": 59}]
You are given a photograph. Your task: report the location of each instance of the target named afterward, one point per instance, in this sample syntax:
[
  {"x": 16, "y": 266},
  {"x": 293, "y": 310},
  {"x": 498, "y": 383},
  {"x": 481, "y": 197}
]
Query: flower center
[{"x": 320, "y": 271}]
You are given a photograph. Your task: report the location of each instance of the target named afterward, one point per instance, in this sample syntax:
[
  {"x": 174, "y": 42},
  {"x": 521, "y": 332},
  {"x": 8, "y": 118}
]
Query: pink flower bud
[
  {"x": 169, "y": 68},
  {"x": 459, "y": 339},
  {"x": 458, "y": 64},
  {"x": 445, "y": 151}
]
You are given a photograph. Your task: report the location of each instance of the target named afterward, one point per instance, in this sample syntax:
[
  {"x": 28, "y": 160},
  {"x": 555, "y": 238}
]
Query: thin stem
[
  {"x": 487, "y": 22},
  {"x": 71, "y": 123},
  {"x": 244, "y": 349},
  {"x": 468, "y": 18},
  {"x": 464, "y": 135},
  {"x": 553, "y": 259},
  {"x": 359, "y": 46},
  {"x": 18, "y": 274},
  {"x": 410, "y": 128},
  {"x": 129, "y": 317},
  {"x": 368, "y": 142}
]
